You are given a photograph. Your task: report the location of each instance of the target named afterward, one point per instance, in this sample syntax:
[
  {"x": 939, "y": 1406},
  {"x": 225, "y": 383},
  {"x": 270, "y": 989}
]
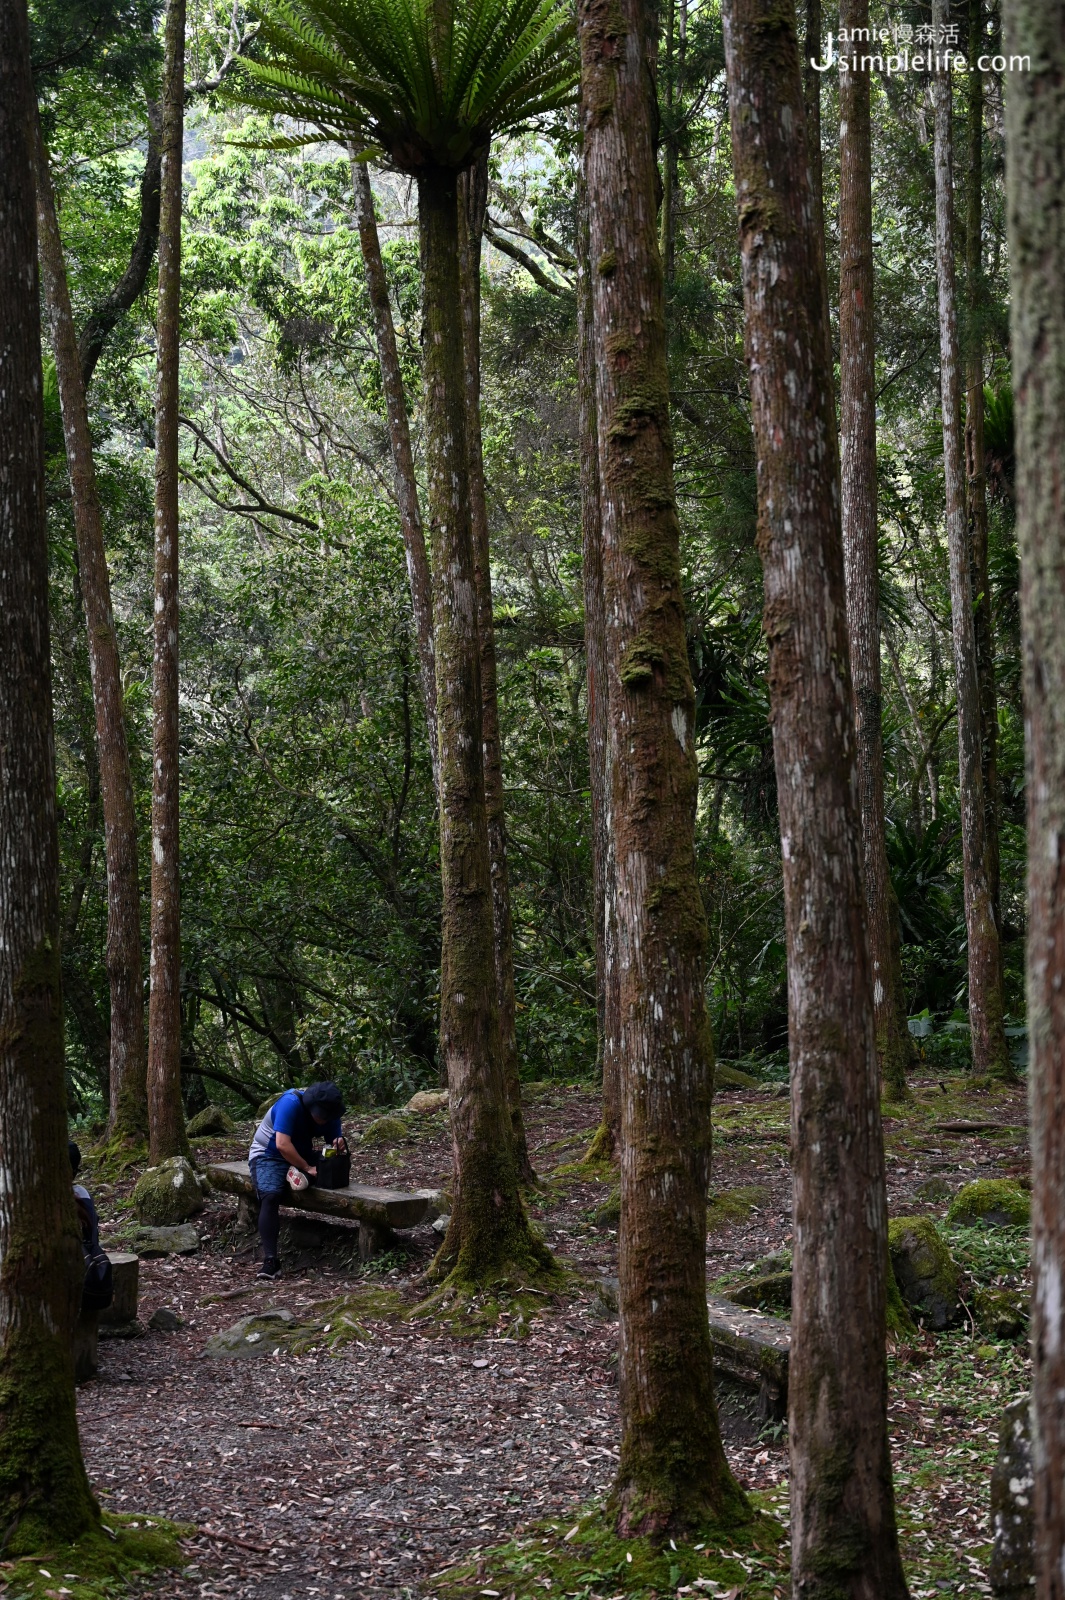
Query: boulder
[
  {"x": 726, "y": 1077},
  {"x": 163, "y": 1320},
  {"x": 1001, "y": 1313},
  {"x": 168, "y": 1194},
  {"x": 925, "y": 1271},
  {"x": 991, "y": 1203},
  {"x": 769, "y": 1293},
  {"x": 260, "y": 1335},
  {"x": 933, "y": 1191},
  {"x": 271, "y": 1100},
  {"x": 427, "y": 1100},
  {"x": 1012, "y": 1569},
  {"x": 212, "y": 1119},
  {"x": 442, "y": 1223},
  {"x": 606, "y": 1297},
  {"x": 386, "y": 1130},
  {"x": 182, "y": 1240}
]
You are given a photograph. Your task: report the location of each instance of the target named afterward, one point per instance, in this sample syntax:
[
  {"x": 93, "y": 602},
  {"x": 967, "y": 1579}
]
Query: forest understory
[{"x": 413, "y": 1461}]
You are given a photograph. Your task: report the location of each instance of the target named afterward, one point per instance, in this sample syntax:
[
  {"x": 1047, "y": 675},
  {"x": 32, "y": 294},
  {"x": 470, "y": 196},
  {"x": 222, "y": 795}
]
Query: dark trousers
[{"x": 268, "y": 1176}]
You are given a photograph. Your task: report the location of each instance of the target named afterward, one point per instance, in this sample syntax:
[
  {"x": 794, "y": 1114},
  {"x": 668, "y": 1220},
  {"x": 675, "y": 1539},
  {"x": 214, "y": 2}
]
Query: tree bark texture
[
  {"x": 128, "y": 1065},
  {"x": 1035, "y": 187},
  {"x": 857, "y": 395},
  {"x": 44, "y": 1493},
  {"x": 166, "y": 1116},
  {"x": 488, "y": 1232},
  {"x": 990, "y": 1054},
  {"x": 672, "y": 1473},
  {"x": 104, "y": 318},
  {"x": 811, "y": 94},
  {"x": 473, "y": 204},
  {"x": 844, "y": 1538},
  {"x": 410, "y": 517},
  {"x": 975, "y": 469},
  {"x": 605, "y": 1141}
]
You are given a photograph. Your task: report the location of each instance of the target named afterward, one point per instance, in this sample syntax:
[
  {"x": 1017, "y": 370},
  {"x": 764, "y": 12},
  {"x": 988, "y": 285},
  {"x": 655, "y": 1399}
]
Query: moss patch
[
  {"x": 991, "y": 1203},
  {"x": 509, "y": 1305},
  {"x": 101, "y": 1562},
  {"x": 386, "y": 1130},
  {"x": 734, "y": 1205},
  {"x": 924, "y": 1270},
  {"x": 583, "y": 1556}
]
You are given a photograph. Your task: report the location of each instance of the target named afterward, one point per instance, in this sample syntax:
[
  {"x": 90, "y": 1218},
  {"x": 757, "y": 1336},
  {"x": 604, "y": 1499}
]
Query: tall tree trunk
[
  {"x": 488, "y": 1233},
  {"x": 605, "y": 1141},
  {"x": 668, "y": 207},
  {"x": 975, "y": 471},
  {"x": 45, "y": 1498},
  {"x": 410, "y": 517},
  {"x": 1035, "y": 182},
  {"x": 990, "y": 1054},
  {"x": 128, "y": 1094},
  {"x": 166, "y": 1116},
  {"x": 473, "y": 203},
  {"x": 857, "y": 394},
  {"x": 672, "y": 1473},
  {"x": 844, "y": 1538},
  {"x": 811, "y": 95}
]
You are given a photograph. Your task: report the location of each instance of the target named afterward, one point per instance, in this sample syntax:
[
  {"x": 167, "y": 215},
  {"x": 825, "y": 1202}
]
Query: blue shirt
[{"x": 290, "y": 1115}]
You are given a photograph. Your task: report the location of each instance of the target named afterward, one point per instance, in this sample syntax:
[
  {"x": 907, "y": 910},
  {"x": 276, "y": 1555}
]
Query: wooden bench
[
  {"x": 378, "y": 1212},
  {"x": 753, "y": 1349}
]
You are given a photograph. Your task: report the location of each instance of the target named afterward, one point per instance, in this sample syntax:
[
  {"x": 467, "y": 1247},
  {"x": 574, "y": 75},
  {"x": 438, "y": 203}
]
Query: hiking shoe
[{"x": 271, "y": 1268}]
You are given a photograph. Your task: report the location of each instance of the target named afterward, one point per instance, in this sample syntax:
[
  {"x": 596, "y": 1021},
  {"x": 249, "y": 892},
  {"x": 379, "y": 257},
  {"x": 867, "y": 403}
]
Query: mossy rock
[
  {"x": 608, "y": 1214},
  {"x": 168, "y": 1194},
  {"x": 212, "y": 1119},
  {"x": 933, "y": 1191},
  {"x": 991, "y": 1203},
  {"x": 272, "y": 1101},
  {"x": 726, "y": 1077},
  {"x": 925, "y": 1271},
  {"x": 1001, "y": 1313},
  {"x": 427, "y": 1100},
  {"x": 769, "y": 1293},
  {"x": 900, "y": 1325},
  {"x": 386, "y": 1130}
]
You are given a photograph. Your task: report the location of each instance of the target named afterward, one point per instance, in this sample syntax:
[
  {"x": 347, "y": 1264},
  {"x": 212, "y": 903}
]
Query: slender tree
[
  {"x": 1035, "y": 183},
  {"x": 811, "y": 96},
  {"x": 605, "y": 1140},
  {"x": 428, "y": 84},
  {"x": 975, "y": 469},
  {"x": 410, "y": 516},
  {"x": 473, "y": 206},
  {"x": 128, "y": 1094},
  {"x": 166, "y": 1120},
  {"x": 857, "y": 396},
  {"x": 44, "y": 1493},
  {"x": 990, "y": 1053},
  {"x": 672, "y": 1472},
  {"x": 844, "y": 1539}
]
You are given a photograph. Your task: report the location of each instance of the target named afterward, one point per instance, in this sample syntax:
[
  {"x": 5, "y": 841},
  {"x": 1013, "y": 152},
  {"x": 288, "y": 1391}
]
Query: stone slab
[{"x": 753, "y": 1348}]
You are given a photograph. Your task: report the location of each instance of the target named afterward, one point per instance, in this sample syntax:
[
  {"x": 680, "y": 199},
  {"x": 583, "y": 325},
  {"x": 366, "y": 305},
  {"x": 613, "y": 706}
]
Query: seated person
[
  {"x": 97, "y": 1292},
  {"x": 285, "y": 1138}
]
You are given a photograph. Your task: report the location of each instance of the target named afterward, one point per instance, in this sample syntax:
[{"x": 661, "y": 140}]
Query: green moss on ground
[
  {"x": 386, "y": 1130},
  {"x": 992, "y": 1203},
  {"x": 510, "y": 1305},
  {"x": 101, "y": 1563},
  {"x": 734, "y": 1205},
  {"x": 585, "y": 1557},
  {"x": 111, "y": 1161}
]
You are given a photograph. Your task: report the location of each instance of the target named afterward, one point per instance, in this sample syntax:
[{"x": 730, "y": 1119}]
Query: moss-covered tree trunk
[
  {"x": 473, "y": 203},
  {"x": 44, "y": 1493},
  {"x": 128, "y": 1065},
  {"x": 975, "y": 468},
  {"x": 672, "y": 1473},
  {"x": 166, "y": 1119},
  {"x": 1035, "y": 185},
  {"x": 410, "y": 517},
  {"x": 857, "y": 396},
  {"x": 990, "y": 1053},
  {"x": 844, "y": 1539},
  {"x": 488, "y": 1233},
  {"x": 605, "y": 1141}
]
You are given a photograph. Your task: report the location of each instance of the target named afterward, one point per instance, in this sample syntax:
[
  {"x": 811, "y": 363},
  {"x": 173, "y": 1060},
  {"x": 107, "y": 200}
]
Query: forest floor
[{"x": 411, "y": 1461}]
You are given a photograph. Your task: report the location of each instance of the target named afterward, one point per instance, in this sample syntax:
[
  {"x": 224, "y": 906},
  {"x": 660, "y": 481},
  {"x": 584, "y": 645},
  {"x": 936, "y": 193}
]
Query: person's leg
[{"x": 268, "y": 1175}]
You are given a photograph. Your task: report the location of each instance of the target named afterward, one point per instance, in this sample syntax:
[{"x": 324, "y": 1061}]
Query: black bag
[
  {"x": 334, "y": 1171},
  {"x": 99, "y": 1289}
]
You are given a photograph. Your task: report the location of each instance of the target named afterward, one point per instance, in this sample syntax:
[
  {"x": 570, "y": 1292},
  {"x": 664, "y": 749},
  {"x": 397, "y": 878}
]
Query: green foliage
[
  {"x": 425, "y": 84},
  {"x": 102, "y": 1564}
]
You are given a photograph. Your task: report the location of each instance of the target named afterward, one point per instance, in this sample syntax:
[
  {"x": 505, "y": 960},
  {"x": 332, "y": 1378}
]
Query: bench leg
[
  {"x": 374, "y": 1238},
  {"x": 248, "y": 1211}
]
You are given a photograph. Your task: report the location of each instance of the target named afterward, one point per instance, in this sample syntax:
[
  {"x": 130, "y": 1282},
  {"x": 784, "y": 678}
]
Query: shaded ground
[{"x": 371, "y": 1470}]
